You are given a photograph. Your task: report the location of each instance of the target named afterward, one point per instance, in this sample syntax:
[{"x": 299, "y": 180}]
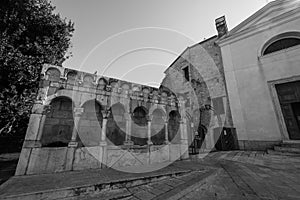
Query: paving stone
[
  {"x": 243, "y": 175},
  {"x": 144, "y": 195}
]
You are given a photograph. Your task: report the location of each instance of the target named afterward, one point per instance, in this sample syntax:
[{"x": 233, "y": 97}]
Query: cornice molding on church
[{"x": 252, "y": 30}]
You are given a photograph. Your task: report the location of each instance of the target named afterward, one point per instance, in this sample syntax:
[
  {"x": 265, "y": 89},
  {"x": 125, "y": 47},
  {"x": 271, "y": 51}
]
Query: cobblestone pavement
[
  {"x": 235, "y": 175},
  {"x": 219, "y": 175},
  {"x": 251, "y": 175}
]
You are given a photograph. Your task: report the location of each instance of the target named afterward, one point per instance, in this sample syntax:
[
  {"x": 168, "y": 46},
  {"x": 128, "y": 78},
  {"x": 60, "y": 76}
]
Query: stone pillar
[
  {"x": 184, "y": 144},
  {"x": 183, "y": 139},
  {"x": 128, "y": 130},
  {"x": 105, "y": 115},
  {"x": 77, "y": 114},
  {"x": 73, "y": 144},
  {"x": 103, "y": 143},
  {"x": 149, "y": 142},
  {"x": 166, "y": 131},
  {"x": 103, "y": 131},
  {"x": 33, "y": 135}
]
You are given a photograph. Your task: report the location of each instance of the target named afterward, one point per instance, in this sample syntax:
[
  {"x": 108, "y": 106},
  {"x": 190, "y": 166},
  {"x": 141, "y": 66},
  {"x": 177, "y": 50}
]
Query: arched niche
[
  {"x": 158, "y": 127},
  {"x": 174, "y": 127},
  {"x": 102, "y": 84},
  {"x": 71, "y": 77},
  {"x": 116, "y": 125},
  {"x": 58, "y": 127},
  {"x": 53, "y": 74},
  {"x": 139, "y": 126},
  {"x": 88, "y": 80},
  {"x": 90, "y": 124}
]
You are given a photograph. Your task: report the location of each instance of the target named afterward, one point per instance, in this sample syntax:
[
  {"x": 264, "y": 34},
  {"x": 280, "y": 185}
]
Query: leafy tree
[{"x": 31, "y": 34}]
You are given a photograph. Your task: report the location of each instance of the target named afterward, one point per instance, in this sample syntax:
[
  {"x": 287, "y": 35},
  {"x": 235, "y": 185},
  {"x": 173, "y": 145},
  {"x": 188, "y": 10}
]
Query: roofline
[
  {"x": 199, "y": 43},
  {"x": 233, "y": 31}
]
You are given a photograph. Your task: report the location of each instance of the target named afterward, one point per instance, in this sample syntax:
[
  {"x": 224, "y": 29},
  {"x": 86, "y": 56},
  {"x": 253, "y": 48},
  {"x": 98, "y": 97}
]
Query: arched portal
[
  {"x": 174, "y": 127},
  {"x": 89, "y": 130},
  {"x": 57, "y": 131},
  {"x": 158, "y": 127}
]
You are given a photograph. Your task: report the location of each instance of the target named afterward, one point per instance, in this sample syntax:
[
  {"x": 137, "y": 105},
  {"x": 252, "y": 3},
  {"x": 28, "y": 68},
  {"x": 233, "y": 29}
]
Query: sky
[{"x": 136, "y": 40}]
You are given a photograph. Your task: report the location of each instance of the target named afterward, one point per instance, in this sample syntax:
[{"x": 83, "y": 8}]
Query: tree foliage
[{"x": 31, "y": 34}]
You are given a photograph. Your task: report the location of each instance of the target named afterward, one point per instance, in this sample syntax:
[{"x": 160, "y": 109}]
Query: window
[
  {"x": 186, "y": 73},
  {"x": 282, "y": 41}
]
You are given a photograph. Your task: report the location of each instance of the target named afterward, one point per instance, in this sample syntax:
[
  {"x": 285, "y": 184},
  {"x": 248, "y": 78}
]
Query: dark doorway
[
  {"x": 296, "y": 110},
  {"x": 198, "y": 140},
  {"x": 289, "y": 98},
  {"x": 225, "y": 138}
]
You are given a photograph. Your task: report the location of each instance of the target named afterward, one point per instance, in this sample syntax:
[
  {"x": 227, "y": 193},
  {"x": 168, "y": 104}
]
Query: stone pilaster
[{"x": 149, "y": 142}]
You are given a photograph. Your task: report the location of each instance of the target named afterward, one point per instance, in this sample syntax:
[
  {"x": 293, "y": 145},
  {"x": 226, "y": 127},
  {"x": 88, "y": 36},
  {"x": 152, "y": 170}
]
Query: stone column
[
  {"x": 77, "y": 115},
  {"x": 183, "y": 131},
  {"x": 166, "y": 131},
  {"x": 184, "y": 139},
  {"x": 128, "y": 130},
  {"x": 149, "y": 142},
  {"x": 73, "y": 144},
  {"x": 105, "y": 114}
]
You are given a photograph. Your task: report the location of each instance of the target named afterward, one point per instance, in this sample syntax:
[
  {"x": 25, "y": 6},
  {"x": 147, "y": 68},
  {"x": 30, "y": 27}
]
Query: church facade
[{"x": 262, "y": 72}]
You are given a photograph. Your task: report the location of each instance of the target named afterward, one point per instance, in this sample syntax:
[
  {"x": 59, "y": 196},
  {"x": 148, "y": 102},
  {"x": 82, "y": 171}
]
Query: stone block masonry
[{"x": 85, "y": 121}]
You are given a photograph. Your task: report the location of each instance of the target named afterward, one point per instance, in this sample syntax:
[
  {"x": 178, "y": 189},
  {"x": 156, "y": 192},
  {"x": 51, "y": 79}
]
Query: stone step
[
  {"x": 272, "y": 152},
  {"x": 104, "y": 188},
  {"x": 291, "y": 143},
  {"x": 287, "y": 149}
]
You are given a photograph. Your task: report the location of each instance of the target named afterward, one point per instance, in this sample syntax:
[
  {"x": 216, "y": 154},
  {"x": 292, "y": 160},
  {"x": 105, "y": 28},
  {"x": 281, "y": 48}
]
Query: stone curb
[{"x": 83, "y": 190}]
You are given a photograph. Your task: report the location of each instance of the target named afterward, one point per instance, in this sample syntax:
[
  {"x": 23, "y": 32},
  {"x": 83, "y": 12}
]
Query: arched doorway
[{"x": 58, "y": 127}]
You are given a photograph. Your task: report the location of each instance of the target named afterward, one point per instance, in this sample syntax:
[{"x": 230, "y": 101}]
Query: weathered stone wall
[
  {"x": 82, "y": 121},
  {"x": 204, "y": 85}
]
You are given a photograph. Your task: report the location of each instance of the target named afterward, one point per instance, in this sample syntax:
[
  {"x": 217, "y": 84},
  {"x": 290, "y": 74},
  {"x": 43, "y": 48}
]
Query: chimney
[{"x": 221, "y": 26}]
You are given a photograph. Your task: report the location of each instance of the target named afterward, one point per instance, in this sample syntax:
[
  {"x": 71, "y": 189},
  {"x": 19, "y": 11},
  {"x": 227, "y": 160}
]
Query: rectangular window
[{"x": 186, "y": 73}]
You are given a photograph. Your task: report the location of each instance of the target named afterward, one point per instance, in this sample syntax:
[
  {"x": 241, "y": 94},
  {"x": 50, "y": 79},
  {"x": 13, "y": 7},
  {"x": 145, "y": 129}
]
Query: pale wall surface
[{"x": 247, "y": 75}]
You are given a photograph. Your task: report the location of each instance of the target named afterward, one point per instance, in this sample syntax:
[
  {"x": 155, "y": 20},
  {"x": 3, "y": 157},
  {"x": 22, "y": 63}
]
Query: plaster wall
[{"x": 248, "y": 74}]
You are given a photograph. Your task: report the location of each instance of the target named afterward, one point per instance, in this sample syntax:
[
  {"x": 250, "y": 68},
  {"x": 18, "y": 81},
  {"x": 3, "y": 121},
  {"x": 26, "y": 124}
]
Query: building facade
[
  {"x": 86, "y": 121},
  {"x": 262, "y": 71},
  {"x": 198, "y": 74}
]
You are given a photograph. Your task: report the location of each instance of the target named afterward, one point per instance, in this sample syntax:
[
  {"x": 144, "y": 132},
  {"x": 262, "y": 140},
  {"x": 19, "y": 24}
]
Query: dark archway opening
[
  {"x": 173, "y": 127},
  {"x": 116, "y": 125},
  {"x": 158, "y": 127},
  {"x": 139, "y": 126},
  {"x": 58, "y": 127}
]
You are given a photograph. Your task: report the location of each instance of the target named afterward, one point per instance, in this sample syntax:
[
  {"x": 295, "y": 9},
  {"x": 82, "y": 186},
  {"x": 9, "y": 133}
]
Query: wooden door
[{"x": 289, "y": 96}]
